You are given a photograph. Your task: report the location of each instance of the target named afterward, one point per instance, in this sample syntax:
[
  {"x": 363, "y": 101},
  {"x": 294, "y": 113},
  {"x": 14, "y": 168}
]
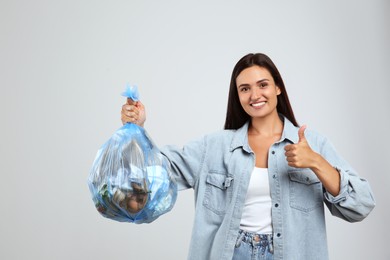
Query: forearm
[{"x": 327, "y": 174}]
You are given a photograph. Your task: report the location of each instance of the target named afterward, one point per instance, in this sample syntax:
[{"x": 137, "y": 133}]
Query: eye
[
  {"x": 244, "y": 89},
  {"x": 263, "y": 85}
]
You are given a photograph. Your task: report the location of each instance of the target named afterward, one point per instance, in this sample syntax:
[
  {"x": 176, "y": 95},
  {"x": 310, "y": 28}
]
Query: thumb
[
  {"x": 140, "y": 105},
  {"x": 301, "y": 134}
]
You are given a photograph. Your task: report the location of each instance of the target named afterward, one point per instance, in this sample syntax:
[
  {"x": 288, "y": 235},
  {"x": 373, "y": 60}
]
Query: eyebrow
[{"x": 247, "y": 85}]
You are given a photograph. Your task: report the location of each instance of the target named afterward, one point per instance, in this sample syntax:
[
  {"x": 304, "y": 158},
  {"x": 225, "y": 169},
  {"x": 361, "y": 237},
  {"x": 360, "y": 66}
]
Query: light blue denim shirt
[{"x": 218, "y": 167}]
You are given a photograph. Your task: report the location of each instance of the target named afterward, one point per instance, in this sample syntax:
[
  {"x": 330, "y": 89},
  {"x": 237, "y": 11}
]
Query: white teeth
[{"x": 258, "y": 104}]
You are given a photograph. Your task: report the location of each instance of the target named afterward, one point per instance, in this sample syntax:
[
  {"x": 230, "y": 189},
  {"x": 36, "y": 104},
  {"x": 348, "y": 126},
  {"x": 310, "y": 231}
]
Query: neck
[{"x": 267, "y": 126}]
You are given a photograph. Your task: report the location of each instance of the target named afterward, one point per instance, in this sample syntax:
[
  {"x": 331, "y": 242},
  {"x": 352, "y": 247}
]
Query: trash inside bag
[{"x": 130, "y": 180}]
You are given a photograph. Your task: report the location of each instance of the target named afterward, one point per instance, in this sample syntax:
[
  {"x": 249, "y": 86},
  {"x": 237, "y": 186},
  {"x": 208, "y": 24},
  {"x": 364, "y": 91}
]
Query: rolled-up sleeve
[{"x": 355, "y": 199}]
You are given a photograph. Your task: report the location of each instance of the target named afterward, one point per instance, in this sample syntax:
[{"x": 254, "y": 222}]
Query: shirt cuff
[{"x": 344, "y": 188}]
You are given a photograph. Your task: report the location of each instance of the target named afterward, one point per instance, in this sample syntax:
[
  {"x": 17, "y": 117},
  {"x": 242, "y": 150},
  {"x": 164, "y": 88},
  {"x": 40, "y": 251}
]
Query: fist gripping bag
[{"x": 130, "y": 180}]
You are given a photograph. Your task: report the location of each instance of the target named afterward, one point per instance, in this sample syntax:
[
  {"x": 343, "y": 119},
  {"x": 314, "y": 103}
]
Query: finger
[
  {"x": 129, "y": 108},
  {"x": 290, "y": 159},
  {"x": 125, "y": 120},
  {"x": 289, "y": 154},
  {"x": 301, "y": 133},
  {"x": 292, "y": 164},
  {"x": 129, "y": 115},
  {"x": 131, "y": 102},
  {"x": 139, "y": 105},
  {"x": 290, "y": 147}
]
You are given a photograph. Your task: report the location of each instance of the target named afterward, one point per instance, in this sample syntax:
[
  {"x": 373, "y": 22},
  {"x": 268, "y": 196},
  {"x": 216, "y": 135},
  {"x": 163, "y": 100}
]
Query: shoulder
[
  {"x": 212, "y": 139},
  {"x": 219, "y": 136},
  {"x": 316, "y": 138},
  {"x": 314, "y": 134}
]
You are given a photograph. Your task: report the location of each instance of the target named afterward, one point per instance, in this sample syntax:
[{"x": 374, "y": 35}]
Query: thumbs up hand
[{"x": 300, "y": 155}]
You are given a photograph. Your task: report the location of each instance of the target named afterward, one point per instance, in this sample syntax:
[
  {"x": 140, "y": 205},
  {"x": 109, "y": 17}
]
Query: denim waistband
[{"x": 255, "y": 239}]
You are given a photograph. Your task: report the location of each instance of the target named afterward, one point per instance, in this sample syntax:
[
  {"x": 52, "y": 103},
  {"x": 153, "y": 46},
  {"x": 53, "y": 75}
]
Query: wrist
[{"x": 317, "y": 161}]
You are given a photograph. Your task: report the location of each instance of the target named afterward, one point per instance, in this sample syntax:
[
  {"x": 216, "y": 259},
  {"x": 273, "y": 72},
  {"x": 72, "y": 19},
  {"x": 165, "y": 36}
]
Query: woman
[{"x": 262, "y": 194}]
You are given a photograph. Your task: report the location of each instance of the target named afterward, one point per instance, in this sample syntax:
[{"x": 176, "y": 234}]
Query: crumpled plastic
[{"x": 130, "y": 180}]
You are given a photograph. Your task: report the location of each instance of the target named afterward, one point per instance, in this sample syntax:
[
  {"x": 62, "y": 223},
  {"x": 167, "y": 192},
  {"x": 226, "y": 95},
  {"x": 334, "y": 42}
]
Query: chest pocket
[
  {"x": 218, "y": 193},
  {"x": 305, "y": 190}
]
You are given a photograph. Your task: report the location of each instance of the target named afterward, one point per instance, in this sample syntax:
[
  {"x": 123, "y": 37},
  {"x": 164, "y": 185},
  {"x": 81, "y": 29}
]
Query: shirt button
[
  {"x": 273, "y": 152},
  {"x": 274, "y": 176},
  {"x": 276, "y": 205},
  {"x": 278, "y": 234}
]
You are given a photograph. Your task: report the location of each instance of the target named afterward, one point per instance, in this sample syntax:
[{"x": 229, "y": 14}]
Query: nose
[{"x": 256, "y": 93}]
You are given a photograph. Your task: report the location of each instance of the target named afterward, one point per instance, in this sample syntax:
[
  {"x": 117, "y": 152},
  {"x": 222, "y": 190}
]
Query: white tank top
[{"x": 256, "y": 216}]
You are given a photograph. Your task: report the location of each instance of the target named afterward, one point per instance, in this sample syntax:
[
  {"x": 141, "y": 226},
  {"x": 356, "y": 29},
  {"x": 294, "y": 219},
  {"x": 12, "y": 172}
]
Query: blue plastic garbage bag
[{"x": 130, "y": 179}]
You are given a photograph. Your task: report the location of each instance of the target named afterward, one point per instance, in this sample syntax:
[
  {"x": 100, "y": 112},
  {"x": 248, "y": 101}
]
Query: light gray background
[{"x": 63, "y": 65}]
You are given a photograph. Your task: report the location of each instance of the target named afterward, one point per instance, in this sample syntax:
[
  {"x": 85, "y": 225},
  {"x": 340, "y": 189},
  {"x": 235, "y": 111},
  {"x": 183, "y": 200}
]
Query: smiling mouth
[{"x": 258, "y": 104}]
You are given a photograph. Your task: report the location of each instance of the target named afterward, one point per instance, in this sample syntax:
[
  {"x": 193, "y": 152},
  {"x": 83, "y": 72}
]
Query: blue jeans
[{"x": 252, "y": 246}]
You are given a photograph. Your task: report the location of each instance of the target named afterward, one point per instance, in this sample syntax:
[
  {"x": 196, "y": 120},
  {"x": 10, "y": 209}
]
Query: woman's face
[{"x": 257, "y": 92}]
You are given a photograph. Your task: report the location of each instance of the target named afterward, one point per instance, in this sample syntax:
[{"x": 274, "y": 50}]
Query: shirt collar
[
  {"x": 240, "y": 137},
  {"x": 290, "y": 131}
]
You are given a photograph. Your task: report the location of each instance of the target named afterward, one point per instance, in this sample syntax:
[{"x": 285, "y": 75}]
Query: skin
[
  {"x": 300, "y": 155},
  {"x": 258, "y": 97},
  {"x": 133, "y": 112}
]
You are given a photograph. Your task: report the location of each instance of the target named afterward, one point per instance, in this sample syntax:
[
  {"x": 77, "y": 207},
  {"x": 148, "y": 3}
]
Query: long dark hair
[{"x": 236, "y": 117}]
